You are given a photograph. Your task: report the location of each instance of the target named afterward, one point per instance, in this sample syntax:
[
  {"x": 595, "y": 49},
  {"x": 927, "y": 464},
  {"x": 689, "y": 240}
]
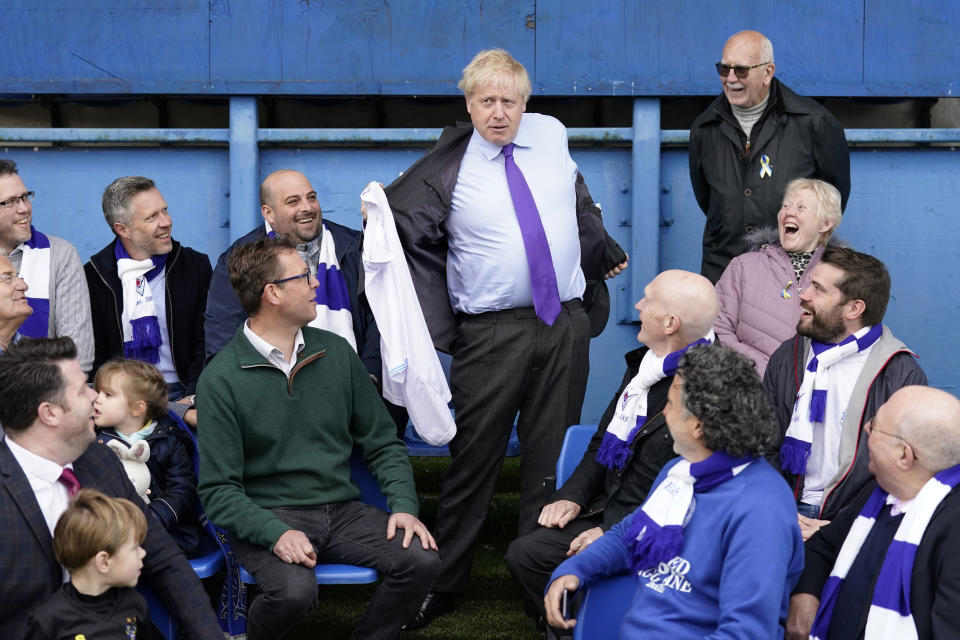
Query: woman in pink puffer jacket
[{"x": 759, "y": 290}]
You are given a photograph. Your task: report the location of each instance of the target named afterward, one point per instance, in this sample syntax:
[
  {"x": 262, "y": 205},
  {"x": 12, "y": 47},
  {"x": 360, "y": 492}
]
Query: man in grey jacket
[{"x": 830, "y": 379}]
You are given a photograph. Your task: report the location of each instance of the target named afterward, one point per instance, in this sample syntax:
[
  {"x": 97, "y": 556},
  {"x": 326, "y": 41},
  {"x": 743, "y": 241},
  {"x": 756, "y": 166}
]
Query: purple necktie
[
  {"x": 543, "y": 279},
  {"x": 69, "y": 480}
]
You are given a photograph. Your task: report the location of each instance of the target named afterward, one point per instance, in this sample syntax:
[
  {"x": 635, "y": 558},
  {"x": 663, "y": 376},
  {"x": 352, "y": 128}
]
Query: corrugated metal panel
[{"x": 418, "y": 47}]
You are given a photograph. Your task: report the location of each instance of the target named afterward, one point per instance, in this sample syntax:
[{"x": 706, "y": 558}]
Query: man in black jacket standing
[
  {"x": 507, "y": 251},
  {"x": 897, "y": 543},
  {"x": 678, "y": 308},
  {"x": 147, "y": 291},
  {"x": 750, "y": 142}
]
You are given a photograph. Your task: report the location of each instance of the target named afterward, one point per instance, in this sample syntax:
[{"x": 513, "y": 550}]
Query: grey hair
[
  {"x": 117, "y": 196},
  {"x": 723, "y": 390},
  {"x": 766, "y": 49}
]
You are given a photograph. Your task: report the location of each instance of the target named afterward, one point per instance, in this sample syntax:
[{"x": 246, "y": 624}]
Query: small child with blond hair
[
  {"x": 97, "y": 539},
  {"x": 131, "y": 409}
]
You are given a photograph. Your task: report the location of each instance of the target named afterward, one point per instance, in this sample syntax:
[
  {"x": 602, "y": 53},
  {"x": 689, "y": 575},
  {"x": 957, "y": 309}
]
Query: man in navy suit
[{"x": 46, "y": 409}]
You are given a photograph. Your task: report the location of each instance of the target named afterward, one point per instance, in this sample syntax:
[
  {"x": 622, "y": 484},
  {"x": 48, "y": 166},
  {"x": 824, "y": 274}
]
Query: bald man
[
  {"x": 910, "y": 514},
  {"x": 757, "y": 136},
  {"x": 289, "y": 206},
  {"x": 628, "y": 450}
]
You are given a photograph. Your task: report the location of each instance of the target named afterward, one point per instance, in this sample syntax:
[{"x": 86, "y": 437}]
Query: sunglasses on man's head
[{"x": 740, "y": 72}]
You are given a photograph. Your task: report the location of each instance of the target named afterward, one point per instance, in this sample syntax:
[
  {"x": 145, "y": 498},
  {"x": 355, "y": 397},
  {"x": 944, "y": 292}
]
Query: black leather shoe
[{"x": 435, "y": 604}]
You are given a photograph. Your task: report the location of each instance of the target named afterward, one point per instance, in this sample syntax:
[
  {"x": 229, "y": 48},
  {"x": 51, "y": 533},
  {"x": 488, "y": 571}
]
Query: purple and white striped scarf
[
  {"x": 631, "y": 412},
  {"x": 35, "y": 271},
  {"x": 890, "y": 617},
  {"x": 656, "y": 533},
  {"x": 810, "y": 405},
  {"x": 141, "y": 327}
]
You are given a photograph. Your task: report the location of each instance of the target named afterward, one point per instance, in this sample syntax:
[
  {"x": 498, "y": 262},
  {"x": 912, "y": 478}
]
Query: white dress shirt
[
  {"x": 487, "y": 266},
  {"x": 44, "y": 478}
]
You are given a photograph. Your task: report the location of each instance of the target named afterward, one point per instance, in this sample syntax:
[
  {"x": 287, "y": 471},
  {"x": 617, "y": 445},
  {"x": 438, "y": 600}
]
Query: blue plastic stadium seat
[
  {"x": 604, "y": 607},
  {"x": 574, "y": 446},
  {"x": 346, "y": 573}
]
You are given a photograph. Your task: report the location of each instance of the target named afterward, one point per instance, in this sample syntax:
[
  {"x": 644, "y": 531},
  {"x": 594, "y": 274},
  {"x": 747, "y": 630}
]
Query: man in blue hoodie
[{"x": 715, "y": 547}]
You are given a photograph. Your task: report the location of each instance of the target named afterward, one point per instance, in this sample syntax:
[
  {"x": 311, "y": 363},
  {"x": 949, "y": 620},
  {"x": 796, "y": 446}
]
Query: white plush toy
[{"x": 134, "y": 460}]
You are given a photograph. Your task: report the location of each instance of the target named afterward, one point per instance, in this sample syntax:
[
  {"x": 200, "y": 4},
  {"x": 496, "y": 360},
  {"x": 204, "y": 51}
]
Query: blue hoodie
[{"x": 742, "y": 554}]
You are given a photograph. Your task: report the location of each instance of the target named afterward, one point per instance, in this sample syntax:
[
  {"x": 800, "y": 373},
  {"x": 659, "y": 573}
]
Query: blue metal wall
[
  {"x": 901, "y": 206},
  {"x": 902, "y": 209},
  {"x": 571, "y": 47}
]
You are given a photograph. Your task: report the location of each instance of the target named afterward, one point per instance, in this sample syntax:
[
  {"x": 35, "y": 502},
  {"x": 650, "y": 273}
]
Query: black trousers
[
  {"x": 345, "y": 533},
  {"x": 505, "y": 363},
  {"x": 533, "y": 557}
]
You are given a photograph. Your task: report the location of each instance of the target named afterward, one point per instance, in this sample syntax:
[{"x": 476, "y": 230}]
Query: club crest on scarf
[
  {"x": 141, "y": 327},
  {"x": 631, "y": 413}
]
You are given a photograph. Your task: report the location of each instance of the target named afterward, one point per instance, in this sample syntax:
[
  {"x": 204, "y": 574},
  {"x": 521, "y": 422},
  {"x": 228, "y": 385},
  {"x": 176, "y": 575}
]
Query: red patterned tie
[{"x": 69, "y": 480}]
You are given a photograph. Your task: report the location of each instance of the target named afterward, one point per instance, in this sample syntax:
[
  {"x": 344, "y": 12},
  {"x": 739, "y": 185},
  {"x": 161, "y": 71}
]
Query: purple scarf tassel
[
  {"x": 145, "y": 345},
  {"x": 793, "y": 455},
  {"x": 613, "y": 451},
  {"x": 818, "y": 404},
  {"x": 658, "y": 544}
]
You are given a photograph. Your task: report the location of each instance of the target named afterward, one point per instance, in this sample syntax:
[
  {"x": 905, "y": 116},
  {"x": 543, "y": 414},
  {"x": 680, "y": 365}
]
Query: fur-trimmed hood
[{"x": 771, "y": 235}]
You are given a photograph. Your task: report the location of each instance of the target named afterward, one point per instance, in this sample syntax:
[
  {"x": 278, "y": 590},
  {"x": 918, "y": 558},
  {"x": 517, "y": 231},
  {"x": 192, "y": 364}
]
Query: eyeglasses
[
  {"x": 8, "y": 278},
  {"x": 305, "y": 274},
  {"x": 868, "y": 427},
  {"x": 740, "y": 72},
  {"x": 10, "y": 203}
]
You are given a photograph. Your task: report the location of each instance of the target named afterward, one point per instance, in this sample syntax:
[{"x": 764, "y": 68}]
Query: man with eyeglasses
[
  {"x": 752, "y": 140},
  {"x": 831, "y": 378},
  {"x": 49, "y": 265},
  {"x": 888, "y": 566},
  {"x": 148, "y": 291},
  {"x": 283, "y": 405}
]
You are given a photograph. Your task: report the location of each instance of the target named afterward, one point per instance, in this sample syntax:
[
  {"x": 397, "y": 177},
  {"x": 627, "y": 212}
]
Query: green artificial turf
[{"x": 493, "y": 605}]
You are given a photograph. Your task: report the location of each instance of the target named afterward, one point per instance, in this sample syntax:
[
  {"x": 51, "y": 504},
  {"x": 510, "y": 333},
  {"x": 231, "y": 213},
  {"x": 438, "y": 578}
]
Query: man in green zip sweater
[{"x": 282, "y": 407}]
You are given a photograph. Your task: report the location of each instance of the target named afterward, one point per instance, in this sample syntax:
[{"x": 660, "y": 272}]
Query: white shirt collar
[
  {"x": 271, "y": 353},
  {"x": 35, "y": 465},
  {"x": 490, "y": 150},
  {"x": 898, "y": 506}
]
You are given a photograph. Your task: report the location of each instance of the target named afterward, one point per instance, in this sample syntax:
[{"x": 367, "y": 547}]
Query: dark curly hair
[{"x": 723, "y": 390}]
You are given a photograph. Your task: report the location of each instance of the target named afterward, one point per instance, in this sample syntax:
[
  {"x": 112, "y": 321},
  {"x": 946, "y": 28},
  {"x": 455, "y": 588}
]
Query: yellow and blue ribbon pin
[
  {"x": 765, "y": 170},
  {"x": 785, "y": 294}
]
